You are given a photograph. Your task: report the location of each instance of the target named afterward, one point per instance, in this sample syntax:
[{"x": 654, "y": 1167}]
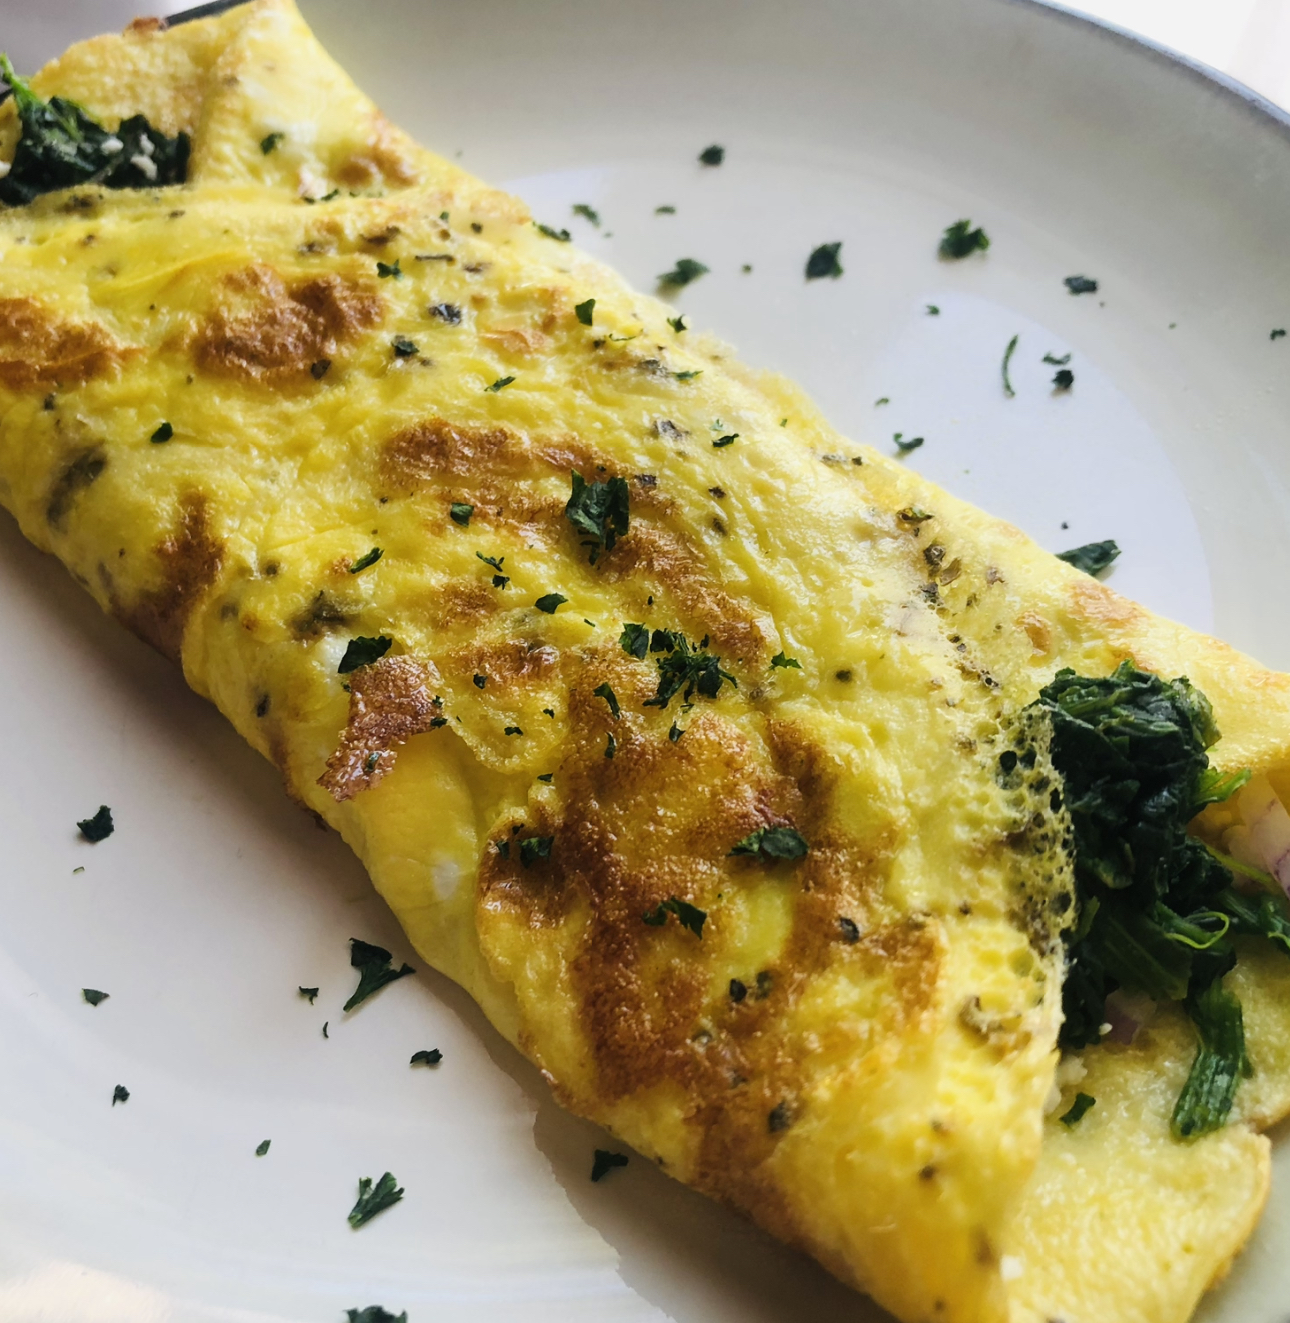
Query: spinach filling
[
  {"x": 1156, "y": 909},
  {"x": 62, "y": 145}
]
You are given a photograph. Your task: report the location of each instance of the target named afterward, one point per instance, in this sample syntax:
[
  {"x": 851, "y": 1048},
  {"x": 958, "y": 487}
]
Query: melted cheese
[{"x": 876, "y": 1095}]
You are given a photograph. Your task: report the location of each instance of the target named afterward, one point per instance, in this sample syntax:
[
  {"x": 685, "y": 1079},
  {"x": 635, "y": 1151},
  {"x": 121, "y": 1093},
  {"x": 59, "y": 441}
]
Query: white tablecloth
[{"x": 1249, "y": 39}]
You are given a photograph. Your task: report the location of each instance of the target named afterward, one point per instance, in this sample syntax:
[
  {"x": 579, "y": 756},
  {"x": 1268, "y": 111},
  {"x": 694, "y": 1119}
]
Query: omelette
[{"x": 864, "y": 866}]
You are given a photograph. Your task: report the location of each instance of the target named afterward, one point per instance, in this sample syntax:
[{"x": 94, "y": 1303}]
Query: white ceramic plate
[{"x": 873, "y": 122}]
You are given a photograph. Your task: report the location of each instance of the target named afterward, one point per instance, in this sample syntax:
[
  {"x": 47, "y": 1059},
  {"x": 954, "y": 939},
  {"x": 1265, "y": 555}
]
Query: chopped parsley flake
[
  {"x": 375, "y": 1314},
  {"x": 448, "y": 313},
  {"x": 1054, "y": 361},
  {"x": 678, "y": 323},
  {"x": 590, "y": 213},
  {"x": 99, "y": 827},
  {"x": 685, "y": 667},
  {"x": 374, "y": 970},
  {"x": 784, "y": 662},
  {"x": 599, "y": 511},
  {"x": 585, "y": 311},
  {"x": 479, "y": 681},
  {"x": 533, "y": 848},
  {"x": 310, "y": 993},
  {"x": 713, "y": 155},
  {"x": 933, "y": 310},
  {"x": 561, "y": 236},
  {"x": 773, "y": 843},
  {"x": 162, "y": 434},
  {"x": 906, "y": 446},
  {"x": 884, "y": 399},
  {"x": 325, "y": 1034},
  {"x": 604, "y": 1162},
  {"x": 403, "y": 347},
  {"x": 389, "y": 271},
  {"x": 460, "y": 513},
  {"x": 363, "y": 651},
  {"x": 1092, "y": 557},
  {"x": 674, "y": 733},
  {"x": 429, "y": 1057},
  {"x": 635, "y": 640},
  {"x": 364, "y": 562},
  {"x": 513, "y": 730},
  {"x": 823, "y": 261},
  {"x": 547, "y": 777},
  {"x": 318, "y": 369},
  {"x": 683, "y": 273},
  {"x": 738, "y": 990},
  {"x": 1278, "y": 334},
  {"x": 1080, "y": 285},
  {"x": 120, "y": 1094},
  {"x": 270, "y": 141},
  {"x": 665, "y": 210},
  {"x": 688, "y": 376},
  {"x": 1007, "y": 363},
  {"x": 94, "y": 996},
  {"x": 606, "y": 692},
  {"x": 723, "y": 441},
  {"x": 779, "y": 1118},
  {"x": 961, "y": 240},
  {"x": 1075, "y": 1113},
  {"x": 1063, "y": 379},
  {"x": 500, "y": 384},
  {"x": 262, "y": 1147},
  {"x": 913, "y": 514},
  {"x": 549, "y": 602},
  {"x": 374, "y": 1199},
  {"x": 850, "y": 930},
  {"x": 611, "y": 746},
  {"x": 688, "y": 916}
]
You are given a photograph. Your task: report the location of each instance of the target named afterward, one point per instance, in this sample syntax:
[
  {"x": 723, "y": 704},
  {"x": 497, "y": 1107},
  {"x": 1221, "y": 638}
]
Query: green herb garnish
[
  {"x": 604, "y": 1161},
  {"x": 590, "y": 213},
  {"x": 448, "y": 313},
  {"x": 99, "y": 827},
  {"x": 665, "y": 210},
  {"x": 1007, "y": 363},
  {"x": 428, "y": 1057},
  {"x": 688, "y": 376},
  {"x": 961, "y": 240},
  {"x": 533, "y": 848},
  {"x": 678, "y": 323},
  {"x": 1092, "y": 557},
  {"x": 688, "y": 916},
  {"x": 375, "y": 1314},
  {"x": 784, "y": 661},
  {"x": 773, "y": 843},
  {"x": 310, "y": 993},
  {"x": 722, "y": 441},
  {"x": 823, "y": 261},
  {"x": 1080, "y": 285},
  {"x": 262, "y": 1147},
  {"x": 606, "y": 692},
  {"x": 561, "y": 236},
  {"x": 684, "y": 272},
  {"x": 363, "y": 652},
  {"x": 94, "y": 996},
  {"x": 585, "y": 311},
  {"x": 479, "y": 681},
  {"x": 513, "y": 730},
  {"x": 1063, "y": 379},
  {"x": 374, "y": 1199},
  {"x": 270, "y": 141},
  {"x": 500, "y": 384},
  {"x": 1054, "y": 361},
  {"x": 685, "y": 667},
  {"x": 611, "y": 746},
  {"x": 634, "y": 641},
  {"x": 460, "y": 513},
  {"x": 598, "y": 511},
  {"x": 62, "y": 145},
  {"x": 674, "y": 733},
  {"x": 162, "y": 434},
  {"x": 389, "y": 270},
  {"x": 374, "y": 970},
  {"x": 120, "y": 1094},
  {"x": 403, "y": 347},
  {"x": 1278, "y": 334},
  {"x": 933, "y": 310},
  {"x": 549, "y": 602},
  {"x": 1075, "y": 1113},
  {"x": 905, "y": 447},
  {"x": 713, "y": 155},
  {"x": 363, "y": 562}
]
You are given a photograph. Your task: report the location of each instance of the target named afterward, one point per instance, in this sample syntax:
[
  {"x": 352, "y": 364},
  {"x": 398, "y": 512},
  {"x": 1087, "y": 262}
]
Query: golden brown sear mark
[
  {"x": 389, "y": 702},
  {"x": 268, "y": 331},
  {"x": 190, "y": 558},
  {"x": 36, "y": 349}
]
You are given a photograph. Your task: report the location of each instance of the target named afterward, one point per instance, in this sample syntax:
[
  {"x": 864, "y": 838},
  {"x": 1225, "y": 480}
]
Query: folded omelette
[{"x": 861, "y": 864}]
